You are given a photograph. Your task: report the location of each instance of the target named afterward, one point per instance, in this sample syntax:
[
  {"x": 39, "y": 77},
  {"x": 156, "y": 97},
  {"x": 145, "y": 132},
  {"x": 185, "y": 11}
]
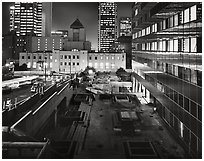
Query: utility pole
[
  {"x": 45, "y": 73},
  {"x": 70, "y": 66}
]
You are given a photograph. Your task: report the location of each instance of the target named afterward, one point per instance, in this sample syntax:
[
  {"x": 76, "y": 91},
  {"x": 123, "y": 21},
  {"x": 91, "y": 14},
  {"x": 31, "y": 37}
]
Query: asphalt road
[{"x": 20, "y": 94}]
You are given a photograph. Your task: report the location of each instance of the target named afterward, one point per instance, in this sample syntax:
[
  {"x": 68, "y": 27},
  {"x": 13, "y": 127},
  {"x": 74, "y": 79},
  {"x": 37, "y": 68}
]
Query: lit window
[
  {"x": 112, "y": 65},
  {"x": 34, "y": 64},
  {"x": 193, "y": 13},
  {"x": 29, "y": 65},
  {"x": 90, "y": 64},
  {"x": 107, "y": 65},
  {"x": 186, "y": 15}
]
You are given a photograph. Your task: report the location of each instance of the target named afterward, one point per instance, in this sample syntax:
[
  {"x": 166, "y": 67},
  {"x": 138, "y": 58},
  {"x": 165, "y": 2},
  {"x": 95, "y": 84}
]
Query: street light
[{"x": 44, "y": 64}]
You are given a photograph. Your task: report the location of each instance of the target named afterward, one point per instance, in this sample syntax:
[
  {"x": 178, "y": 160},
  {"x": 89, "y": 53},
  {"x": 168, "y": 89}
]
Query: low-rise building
[{"x": 72, "y": 61}]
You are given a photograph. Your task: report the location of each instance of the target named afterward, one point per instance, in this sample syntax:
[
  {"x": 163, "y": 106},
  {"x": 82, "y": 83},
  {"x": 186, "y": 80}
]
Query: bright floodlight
[
  {"x": 90, "y": 71},
  {"x": 12, "y": 7}
]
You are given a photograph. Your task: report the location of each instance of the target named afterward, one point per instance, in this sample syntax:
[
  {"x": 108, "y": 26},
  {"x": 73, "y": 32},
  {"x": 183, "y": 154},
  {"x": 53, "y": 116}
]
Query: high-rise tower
[
  {"x": 125, "y": 26},
  {"x": 27, "y": 17},
  {"x": 107, "y": 25},
  {"x": 46, "y": 18}
]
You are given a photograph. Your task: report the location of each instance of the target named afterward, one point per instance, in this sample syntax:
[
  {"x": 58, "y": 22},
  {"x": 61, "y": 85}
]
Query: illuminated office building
[
  {"x": 125, "y": 26},
  {"x": 167, "y": 64},
  {"x": 107, "y": 27},
  {"x": 27, "y": 17}
]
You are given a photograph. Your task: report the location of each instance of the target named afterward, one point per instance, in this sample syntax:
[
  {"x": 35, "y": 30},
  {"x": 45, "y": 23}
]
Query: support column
[
  {"x": 55, "y": 118},
  {"x": 137, "y": 84},
  {"x": 133, "y": 84},
  {"x": 147, "y": 96}
]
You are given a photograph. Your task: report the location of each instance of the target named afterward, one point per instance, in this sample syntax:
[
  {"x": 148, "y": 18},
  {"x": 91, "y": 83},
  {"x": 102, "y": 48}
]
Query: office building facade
[
  {"x": 107, "y": 25},
  {"x": 31, "y": 17},
  {"x": 167, "y": 60},
  {"x": 125, "y": 26}
]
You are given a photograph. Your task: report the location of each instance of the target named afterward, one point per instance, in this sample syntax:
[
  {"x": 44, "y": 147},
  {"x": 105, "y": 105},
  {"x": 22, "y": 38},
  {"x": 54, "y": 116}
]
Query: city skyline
[
  {"x": 107, "y": 25},
  {"x": 87, "y": 14}
]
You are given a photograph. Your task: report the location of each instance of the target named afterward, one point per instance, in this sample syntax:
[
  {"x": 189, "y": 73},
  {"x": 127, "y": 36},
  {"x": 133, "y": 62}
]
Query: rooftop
[{"x": 76, "y": 24}]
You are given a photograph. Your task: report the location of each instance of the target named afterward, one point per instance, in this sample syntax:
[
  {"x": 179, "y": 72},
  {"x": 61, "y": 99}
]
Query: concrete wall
[{"x": 34, "y": 120}]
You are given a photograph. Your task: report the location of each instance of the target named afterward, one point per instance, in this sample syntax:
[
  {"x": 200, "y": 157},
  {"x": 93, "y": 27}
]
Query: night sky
[{"x": 64, "y": 13}]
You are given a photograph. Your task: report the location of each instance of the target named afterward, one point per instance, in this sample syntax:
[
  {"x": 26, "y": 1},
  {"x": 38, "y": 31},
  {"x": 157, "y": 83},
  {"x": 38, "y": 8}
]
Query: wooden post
[
  {"x": 15, "y": 102},
  {"x": 4, "y": 105}
]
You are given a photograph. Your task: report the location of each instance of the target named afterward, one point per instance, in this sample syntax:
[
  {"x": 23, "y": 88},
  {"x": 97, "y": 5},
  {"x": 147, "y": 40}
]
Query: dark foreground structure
[{"x": 77, "y": 124}]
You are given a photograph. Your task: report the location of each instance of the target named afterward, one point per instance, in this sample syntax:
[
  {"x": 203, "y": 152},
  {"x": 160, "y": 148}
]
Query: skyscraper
[
  {"x": 27, "y": 17},
  {"x": 125, "y": 26},
  {"x": 107, "y": 25},
  {"x": 46, "y": 18},
  {"x": 167, "y": 59}
]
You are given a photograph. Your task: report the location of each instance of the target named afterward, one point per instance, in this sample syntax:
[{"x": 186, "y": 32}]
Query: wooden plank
[
  {"x": 71, "y": 132},
  {"x": 23, "y": 144}
]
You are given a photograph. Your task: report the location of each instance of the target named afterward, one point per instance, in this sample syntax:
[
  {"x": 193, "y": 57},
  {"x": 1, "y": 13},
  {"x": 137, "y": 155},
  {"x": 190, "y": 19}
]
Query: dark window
[
  {"x": 193, "y": 109},
  {"x": 175, "y": 96},
  {"x": 181, "y": 100},
  {"x": 28, "y": 57},
  {"x": 22, "y": 57},
  {"x": 76, "y": 36},
  {"x": 34, "y": 57},
  {"x": 69, "y": 63},
  {"x": 77, "y": 63},
  {"x": 40, "y": 57},
  {"x": 95, "y": 57},
  {"x": 171, "y": 94},
  {"x": 90, "y": 58},
  {"x": 65, "y": 57},
  {"x": 69, "y": 56},
  {"x": 200, "y": 113},
  {"x": 65, "y": 63},
  {"x": 77, "y": 56},
  {"x": 171, "y": 120},
  {"x": 73, "y": 56},
  {"x": 61, "y": 56},
  {"x": 186, "y": 134},
  {"x": 186, "y": 104},
  {"x": 199, "y": 78},
  {"x": 73, "y": 63},
  {"x": 193, "y": 142}
]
